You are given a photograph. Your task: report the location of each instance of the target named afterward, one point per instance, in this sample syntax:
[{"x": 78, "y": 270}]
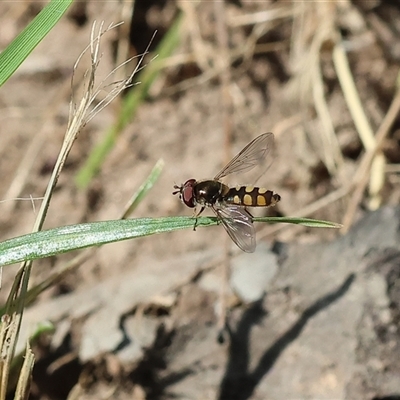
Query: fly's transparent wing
[
  {"x": 254, "y": 153},
  {"x": 239, "y": 225}
]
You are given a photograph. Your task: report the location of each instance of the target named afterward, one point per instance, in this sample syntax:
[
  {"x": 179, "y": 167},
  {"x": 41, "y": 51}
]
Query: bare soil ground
[{"x": 138, "y": 320}]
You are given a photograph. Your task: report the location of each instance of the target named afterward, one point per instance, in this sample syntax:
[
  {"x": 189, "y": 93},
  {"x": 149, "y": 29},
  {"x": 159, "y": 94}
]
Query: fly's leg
[
  {"x": 251, "y": 216},
  {"x": 196, "y": 215}
]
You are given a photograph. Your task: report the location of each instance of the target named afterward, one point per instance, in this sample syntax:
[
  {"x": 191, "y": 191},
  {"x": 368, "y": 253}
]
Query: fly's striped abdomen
[{"x": 250, "y": 196}]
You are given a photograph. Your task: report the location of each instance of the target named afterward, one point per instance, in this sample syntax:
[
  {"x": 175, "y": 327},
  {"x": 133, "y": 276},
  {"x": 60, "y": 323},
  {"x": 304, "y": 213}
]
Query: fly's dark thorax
[
  {"x": 249, "y": 196},
  {"x": 209, "y": 192}
]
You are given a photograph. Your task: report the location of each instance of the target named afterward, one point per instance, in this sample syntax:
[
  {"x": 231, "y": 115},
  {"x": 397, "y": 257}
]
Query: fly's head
[{"x": 186, "y": 192}]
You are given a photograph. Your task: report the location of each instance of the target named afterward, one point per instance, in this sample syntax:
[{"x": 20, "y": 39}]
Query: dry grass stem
[
  {"x": 24, "y": 382},
  {"x": 308, "y": 40},
  {"x": 9, "y": 332},
  {"x": 362, "y": 174},
  {"x": 264, "y": 16},
  {"x": 203, "y": 52},
  {"x": 332, "y": 155},
  {"x": 79, "y": 117},
  {"x": 361, "y": 122},
  {"x": 16, "y": 299},
  {"x": 58, "y": 275}
]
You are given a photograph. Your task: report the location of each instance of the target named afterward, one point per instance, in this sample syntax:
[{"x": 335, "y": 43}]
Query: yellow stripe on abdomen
[
  {"x": 261, "y": 201},
  {"x": 247, "y": 200},
  {"x": 249, "y": 196}
]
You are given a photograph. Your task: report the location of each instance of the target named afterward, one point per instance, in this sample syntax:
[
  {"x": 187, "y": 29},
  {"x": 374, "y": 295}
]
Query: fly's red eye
[{"x": 187, "y": 193}]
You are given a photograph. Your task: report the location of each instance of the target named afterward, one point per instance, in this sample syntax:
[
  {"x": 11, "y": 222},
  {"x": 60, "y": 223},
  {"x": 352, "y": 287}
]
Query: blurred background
[{"x": 323, "y": 77}]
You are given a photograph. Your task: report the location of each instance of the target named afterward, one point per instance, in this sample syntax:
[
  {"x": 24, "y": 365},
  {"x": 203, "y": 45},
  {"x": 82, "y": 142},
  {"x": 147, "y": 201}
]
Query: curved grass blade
[
  {"x": 19, "y": 49},
  {"x": 144, "y": 188}
]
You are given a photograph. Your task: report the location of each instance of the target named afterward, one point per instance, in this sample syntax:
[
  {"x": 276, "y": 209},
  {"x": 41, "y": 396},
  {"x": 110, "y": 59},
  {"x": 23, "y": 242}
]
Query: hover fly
[{"x": 229, "y": 204}]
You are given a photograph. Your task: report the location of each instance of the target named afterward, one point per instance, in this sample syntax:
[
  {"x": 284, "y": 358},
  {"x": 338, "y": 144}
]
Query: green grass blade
[
  {"x": 144, "y": 188},
  {"x": 60, "y": 240},
  {"x": 130, "y": 104},
  {"x": 311, "y": 223},
  {"x": 68, "y": 238},
  {"x": 17, "y": 51}
]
